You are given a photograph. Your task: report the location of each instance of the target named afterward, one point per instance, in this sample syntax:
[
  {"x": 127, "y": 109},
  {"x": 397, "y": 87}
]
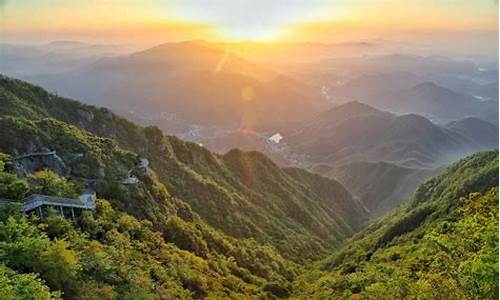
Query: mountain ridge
[
  {"x": 409, "y": 94},
  {"x": 215, "y": 184},
  {"x": 370, "y": 131},
  {"x": 421, "y": 248}
]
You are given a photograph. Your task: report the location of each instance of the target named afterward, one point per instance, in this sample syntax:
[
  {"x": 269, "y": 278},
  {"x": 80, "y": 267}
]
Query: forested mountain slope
[
  {"x": 243, "y": 194},
  {"x": 442, "y": 245},
  {"x": 141, "y": 243}
]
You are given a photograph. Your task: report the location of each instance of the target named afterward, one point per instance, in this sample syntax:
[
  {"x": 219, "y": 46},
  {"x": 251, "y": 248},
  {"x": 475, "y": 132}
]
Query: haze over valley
[{"x": 333, "y": 105}]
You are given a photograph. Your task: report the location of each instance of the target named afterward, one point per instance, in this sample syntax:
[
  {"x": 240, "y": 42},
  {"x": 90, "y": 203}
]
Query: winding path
[{"x": 34, "y": 154}]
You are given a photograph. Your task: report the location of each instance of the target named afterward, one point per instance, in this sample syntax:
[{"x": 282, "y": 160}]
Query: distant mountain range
[
  {"x": 21, "y": 61},
  {"x": 382, "y": 157},
  {"x": 183, "y": 86},
  {"x": 195, "y": 81},
  {"x": 404, "y": 93},
  {"x": 358, "y": 132},
  {"x": 379, "y": 156}
]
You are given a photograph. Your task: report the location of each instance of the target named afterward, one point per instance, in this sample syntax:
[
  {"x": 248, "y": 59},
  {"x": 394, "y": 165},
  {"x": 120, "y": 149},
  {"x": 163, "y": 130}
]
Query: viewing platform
[{"x": 66, "y": 207}]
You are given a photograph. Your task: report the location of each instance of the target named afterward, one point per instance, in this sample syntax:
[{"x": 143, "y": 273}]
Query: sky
[{"x": 154, "y": 21}]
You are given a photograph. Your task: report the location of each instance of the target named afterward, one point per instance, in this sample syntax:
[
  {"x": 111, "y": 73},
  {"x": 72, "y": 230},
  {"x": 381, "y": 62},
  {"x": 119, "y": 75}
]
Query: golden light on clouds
[
  {"x": 261, "y": 20},
  {"x": 250, "y": 20}
]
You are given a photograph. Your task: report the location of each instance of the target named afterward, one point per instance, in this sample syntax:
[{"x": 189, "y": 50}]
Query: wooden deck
[{"x": 38, "y": 203}]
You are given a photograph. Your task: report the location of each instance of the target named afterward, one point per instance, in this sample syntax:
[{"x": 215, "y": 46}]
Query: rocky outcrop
[{"x": 28, "y": 163}]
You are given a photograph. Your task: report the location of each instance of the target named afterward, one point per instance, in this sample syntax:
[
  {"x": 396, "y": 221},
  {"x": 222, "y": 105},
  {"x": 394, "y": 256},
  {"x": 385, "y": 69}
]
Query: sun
[
  {"x": 248, "y": 33},
  {"x": 249, "y": 20}
]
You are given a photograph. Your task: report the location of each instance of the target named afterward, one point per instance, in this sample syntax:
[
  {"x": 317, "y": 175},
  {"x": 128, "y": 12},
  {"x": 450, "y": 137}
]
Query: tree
[
  {"x": 12, "y": 187},
  {"x": 14, "y": 286},
  {"x": 49, "y": 183},
  {"x": 59, "y": 265},
  {"x": 21, "y": 244}
]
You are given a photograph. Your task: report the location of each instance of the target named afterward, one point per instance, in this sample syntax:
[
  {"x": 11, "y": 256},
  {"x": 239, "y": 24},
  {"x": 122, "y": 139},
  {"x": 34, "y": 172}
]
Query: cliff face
[{"x": 35, "y": 160}]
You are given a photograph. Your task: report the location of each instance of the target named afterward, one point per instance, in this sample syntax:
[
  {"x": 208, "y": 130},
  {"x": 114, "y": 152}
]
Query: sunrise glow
[{"x": 278, "y": 20}]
